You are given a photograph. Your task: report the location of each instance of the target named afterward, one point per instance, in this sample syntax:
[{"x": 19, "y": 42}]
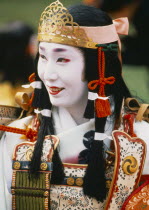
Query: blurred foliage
[
  {"x": 137, "y": 80},
  {"x": 28, "y": 11}
]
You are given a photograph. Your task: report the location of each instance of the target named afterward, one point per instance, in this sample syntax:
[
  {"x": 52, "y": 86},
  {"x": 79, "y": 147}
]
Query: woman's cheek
[{"x": 40, "y": 71}]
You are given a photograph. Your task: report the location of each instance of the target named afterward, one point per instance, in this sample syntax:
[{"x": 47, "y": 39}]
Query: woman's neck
[
  {"x": 77, "y": 112},
  {"x": 77, "y": 115}
]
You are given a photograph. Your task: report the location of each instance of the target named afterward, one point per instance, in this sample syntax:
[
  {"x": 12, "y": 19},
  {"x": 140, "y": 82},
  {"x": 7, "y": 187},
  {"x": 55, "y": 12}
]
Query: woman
[{"x": 77, "y": 77}]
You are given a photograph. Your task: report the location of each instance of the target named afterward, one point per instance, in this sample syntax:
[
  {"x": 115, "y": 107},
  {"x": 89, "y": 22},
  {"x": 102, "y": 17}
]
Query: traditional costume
[{"x": 96, "y": 181}]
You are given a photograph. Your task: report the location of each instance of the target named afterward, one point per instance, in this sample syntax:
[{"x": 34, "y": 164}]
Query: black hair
[
  {"x": 95, "y": 173},
  {"x": 115, "y": 5},
  {"x": 136, "y": 47},
  {"x": 90, "y": 16},
  {"x": 42, "y": 101}
]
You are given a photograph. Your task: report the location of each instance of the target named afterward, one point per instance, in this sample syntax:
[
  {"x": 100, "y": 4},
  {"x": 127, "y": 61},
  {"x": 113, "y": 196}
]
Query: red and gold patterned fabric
[{"x": 139, "y": 199}]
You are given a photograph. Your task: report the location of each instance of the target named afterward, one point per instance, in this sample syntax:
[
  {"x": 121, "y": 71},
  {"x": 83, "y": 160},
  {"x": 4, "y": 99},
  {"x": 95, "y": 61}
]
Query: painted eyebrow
[
  {"x": 42, "y": 48},
  {"x": 55, "y": 50},
  {"x": 59, "y": 50}
]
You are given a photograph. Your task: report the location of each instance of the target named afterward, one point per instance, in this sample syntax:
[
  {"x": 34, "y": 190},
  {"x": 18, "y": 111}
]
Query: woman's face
[{"x": 61, "y": 68}]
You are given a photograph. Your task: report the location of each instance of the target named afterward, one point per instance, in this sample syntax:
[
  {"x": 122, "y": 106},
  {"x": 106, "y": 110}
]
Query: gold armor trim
[
  {"x": 79, "y": 182},
  {"x": 130, "y": 165},
  {"x": 70, "y": 181},
  {"x": 43, "y": 166},
  {"x": 16, "y": 165},
  {"x": 120, "y": 139}
]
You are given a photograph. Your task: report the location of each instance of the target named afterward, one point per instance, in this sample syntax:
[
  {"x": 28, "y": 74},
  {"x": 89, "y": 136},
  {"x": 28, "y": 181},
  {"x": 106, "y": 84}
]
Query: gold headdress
[{"x": 56, "y": 25}]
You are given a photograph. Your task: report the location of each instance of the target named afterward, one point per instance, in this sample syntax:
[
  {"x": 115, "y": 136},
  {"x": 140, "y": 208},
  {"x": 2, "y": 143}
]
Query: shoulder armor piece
[{"x": 129, "y": 161}]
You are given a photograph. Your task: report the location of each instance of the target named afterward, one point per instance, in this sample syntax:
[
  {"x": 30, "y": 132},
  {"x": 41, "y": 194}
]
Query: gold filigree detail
[
  {"x": 129, "y": 165},
  {"x": 56, "y": 25}
]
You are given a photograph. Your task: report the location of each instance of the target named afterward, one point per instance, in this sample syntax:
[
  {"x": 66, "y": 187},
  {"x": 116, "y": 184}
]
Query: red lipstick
[{"x": 55, "y": 90}]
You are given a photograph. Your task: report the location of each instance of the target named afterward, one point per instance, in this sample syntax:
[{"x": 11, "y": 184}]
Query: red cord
[
  {"x": 102, "y": 105},
  {"x": 128, "y": 124},
  {"x": 29, "y": 133}
]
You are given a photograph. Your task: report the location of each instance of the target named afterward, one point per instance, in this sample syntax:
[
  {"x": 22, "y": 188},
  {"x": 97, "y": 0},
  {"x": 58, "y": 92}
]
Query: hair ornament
[
  {"x": 56, "y": 25},
  {"x": 93, "y": 96},
  {"x": 102, "y": 104},
  {"x": 101, "y": 136},
  {"x": 35, "y": 84},
  {"x": 121, "y": 25},
  {"x": 32, "y": 77},
  {"x": 43, "y": 112}
]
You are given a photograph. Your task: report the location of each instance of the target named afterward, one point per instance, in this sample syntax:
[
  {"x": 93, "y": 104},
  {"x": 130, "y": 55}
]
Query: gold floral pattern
[
  {"x": 72, "y": 197},
  {"x": 140, "y": 200}
]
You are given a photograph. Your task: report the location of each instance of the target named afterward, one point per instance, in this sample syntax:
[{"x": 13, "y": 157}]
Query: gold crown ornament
[{"x": 56, "y": 25}]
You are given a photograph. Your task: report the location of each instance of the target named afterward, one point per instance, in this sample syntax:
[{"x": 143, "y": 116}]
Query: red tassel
[{"x": 102, "y": 108}]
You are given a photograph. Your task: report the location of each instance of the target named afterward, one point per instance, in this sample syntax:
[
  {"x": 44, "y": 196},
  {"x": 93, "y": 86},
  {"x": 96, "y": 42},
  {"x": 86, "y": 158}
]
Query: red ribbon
[{"x": 101, "y": 82}]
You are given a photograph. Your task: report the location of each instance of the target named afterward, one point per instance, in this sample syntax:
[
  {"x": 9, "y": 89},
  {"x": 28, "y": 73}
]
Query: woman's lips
[{"x": 55, "y": 90}]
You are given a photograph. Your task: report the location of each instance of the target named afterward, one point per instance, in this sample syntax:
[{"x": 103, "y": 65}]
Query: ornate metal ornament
[
  {"x": 43, "y": 166},
  {"x": 70, "y": 181},
  {"x": 56, "y": 25},
  {"x": 16, "y": 165},
  {"x": 129, "y": 161},
  {"x": 129, "y": 165}
]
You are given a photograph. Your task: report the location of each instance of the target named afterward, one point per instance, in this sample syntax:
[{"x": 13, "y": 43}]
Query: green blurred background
[
  {"x": 137, "y": 78},
  {"x": 26, "y": 10}
]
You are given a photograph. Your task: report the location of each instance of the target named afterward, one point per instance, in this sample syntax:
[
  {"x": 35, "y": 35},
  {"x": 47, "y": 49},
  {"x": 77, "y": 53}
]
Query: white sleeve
[
  {"x": 7, "y": 145},
  {"x": 142, "y": 131},
  {"x": 5, "y": 169}
]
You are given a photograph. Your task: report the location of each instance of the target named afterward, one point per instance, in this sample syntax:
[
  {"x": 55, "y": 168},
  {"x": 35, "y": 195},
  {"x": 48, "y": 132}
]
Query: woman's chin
[
  {"x": 57, "y": 104},
  {"x": 61, "y": 103}
]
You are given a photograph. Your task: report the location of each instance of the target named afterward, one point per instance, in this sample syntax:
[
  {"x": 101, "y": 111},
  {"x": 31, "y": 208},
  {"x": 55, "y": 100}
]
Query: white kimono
[{"x": 70, "y": 135}]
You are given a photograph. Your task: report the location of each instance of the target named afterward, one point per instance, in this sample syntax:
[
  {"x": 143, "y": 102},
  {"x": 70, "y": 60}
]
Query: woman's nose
[{"x": 50, "y": 73}]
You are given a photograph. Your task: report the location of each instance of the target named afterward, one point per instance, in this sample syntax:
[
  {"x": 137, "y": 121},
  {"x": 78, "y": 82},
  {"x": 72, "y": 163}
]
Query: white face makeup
[{"x": 61, "y": 68}]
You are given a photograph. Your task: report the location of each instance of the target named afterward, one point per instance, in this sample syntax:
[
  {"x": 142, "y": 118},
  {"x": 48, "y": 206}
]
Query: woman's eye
[
  {"x": 63, "y": 60},
  {"x": 43, "y": 57}
]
